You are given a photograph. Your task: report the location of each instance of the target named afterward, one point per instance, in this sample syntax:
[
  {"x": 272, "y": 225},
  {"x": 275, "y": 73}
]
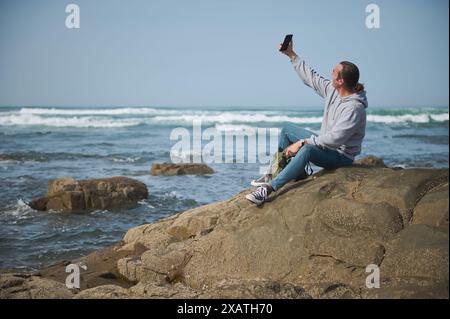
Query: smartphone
[{"x": 287, "y": 40}]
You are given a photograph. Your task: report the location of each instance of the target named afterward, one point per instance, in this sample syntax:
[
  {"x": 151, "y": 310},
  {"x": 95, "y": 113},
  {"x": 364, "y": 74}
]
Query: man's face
[{"x": 336, "y": 81}]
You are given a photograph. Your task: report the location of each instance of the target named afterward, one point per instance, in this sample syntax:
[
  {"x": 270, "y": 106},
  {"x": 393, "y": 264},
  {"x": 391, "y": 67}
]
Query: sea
[{"x": 38, "y": 144}]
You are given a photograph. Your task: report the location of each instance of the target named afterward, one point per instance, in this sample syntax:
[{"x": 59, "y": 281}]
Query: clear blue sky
[{"x": 217, "y": 53}]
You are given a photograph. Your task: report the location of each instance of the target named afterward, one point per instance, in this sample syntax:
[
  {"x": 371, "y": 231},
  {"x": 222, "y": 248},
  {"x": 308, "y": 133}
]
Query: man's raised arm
[{"x": 310, "y": 77}]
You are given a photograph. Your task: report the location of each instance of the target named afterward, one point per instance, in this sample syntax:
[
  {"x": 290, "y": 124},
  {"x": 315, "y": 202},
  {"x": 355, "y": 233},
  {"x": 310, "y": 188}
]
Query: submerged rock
[
  {"x": 170, "y": 169},
  {"x": 372, "y": 161},
  {"x": 70, "y": 195},
  {"x": 313, "y": 238}
]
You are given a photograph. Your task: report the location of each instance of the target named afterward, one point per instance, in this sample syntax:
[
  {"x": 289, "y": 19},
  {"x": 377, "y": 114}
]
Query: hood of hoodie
[{"x": 356, "y": 97}]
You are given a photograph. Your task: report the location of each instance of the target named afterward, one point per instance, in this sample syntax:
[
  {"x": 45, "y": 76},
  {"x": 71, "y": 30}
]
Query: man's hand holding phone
[{"x": 287, "y": 47}]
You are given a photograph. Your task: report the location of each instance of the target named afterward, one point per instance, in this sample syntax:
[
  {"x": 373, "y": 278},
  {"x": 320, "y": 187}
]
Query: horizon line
[{"x": 209, "y": 106}]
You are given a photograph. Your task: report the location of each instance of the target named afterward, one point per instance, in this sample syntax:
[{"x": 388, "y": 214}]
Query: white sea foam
[
  {"x": 31, "y": 119},
  {"x": 224, "y": 121},
  {"x": 87, "y": 111},
  {"x": 145, "y": 203},
  {"x": 440, "y": 117},
  {"x": 229, "y": 118},
  {"x": 20, "y": 210},
  {"x": 414, "y": 118},
  {"x": 232, "y": 117},
  {"x": 235, "y": 128},
  {"x": 126, "y": 159}
]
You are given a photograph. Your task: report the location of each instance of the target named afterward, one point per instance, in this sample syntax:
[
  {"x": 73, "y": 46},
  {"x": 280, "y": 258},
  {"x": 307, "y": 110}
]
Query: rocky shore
[{"x": 313, "y": 239}]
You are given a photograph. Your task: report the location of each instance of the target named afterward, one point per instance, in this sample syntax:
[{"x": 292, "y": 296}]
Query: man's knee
[
  {"x": 286, "y": 129},
  {"x": 305, "y": 151},
  {"x": 289, "y": 127},
  {"x": 307, "y": 148}
]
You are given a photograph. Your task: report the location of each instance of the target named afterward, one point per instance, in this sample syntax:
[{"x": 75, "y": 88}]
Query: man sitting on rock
[{"x": 341, "y": 134}]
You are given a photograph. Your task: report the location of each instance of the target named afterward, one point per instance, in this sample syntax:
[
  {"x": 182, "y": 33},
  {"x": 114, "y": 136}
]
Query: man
[{"x": 341, "y": 134}]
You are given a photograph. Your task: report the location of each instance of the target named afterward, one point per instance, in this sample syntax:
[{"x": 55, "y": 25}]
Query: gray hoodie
[{"x": 344, "y": 119}]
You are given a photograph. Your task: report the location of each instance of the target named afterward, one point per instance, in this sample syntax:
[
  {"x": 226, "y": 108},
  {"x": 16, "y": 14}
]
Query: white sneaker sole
[
  {"x": 253, "y": 199},
  {"x": 257, "y": 184}
]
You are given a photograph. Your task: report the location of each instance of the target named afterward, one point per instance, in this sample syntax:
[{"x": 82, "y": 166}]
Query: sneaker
[
  {"x": 259, "y": 196},
  {"x": 262, "y": 181}
]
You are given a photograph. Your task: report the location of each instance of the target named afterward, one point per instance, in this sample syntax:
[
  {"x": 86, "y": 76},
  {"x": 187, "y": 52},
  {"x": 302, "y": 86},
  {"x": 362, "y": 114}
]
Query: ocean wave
[
  {"x": 431, "y": 139},
  {"x": 80, "y": 122},
  {"x": 32, "y": 156},
  {"x": 127, "y": 111},
  {"x": 224, "y": 121},
  {"x": 25, "y": 134},
  {"x": 440, "y": 117},
  {"x": 171, "y": 199},
  {"x": 413, "y": 118},
  {"x": 145, "y": 203},
  {"x": 18, "y": 212},
  {"x": 17, "y": 157},
  {"x": 87, "y": 111},
  {"x": 229, "y": 117},
  {"x": 128, "y": 159},
  {"x": 235, "y": 128}
]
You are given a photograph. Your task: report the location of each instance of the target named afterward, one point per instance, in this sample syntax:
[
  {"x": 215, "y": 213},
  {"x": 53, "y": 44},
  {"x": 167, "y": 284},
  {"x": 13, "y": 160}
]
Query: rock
[
  {"x": 405, "y": 290},
  {"x": 170, "y": 169},
  {"x": 62, "y": 185},
  {"x": 317, "y": 235},
  {"x": 101, "y": 267},
  {"x": 432, "y": 209},
  {"x": 21, "y": 286},
  {"x": 160, "y": 291},
  {"x": 70, "y": 195},
  {"x": 141, "y": 290},
  {"x": 104, "y": 292},
  {"x": 419, "y": 251},
  {"x": 370, "y": 161},
  {"x": 254, "y": 289},
  {"x": 313, "y": 238},
  {"x": 369, "y": 225}
]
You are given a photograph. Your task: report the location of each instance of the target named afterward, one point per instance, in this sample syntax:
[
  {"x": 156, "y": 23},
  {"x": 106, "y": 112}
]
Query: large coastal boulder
[
  {"x": 318, "y": 234},
  {"x": 313, "y": 238},
  {"x": 70, "y": 195},
  {"x": 171, "y": 169}
]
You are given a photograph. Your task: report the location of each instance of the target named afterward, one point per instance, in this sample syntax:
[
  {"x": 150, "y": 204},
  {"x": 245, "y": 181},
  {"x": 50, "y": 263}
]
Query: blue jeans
[{"x": 323, "y": 157}]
